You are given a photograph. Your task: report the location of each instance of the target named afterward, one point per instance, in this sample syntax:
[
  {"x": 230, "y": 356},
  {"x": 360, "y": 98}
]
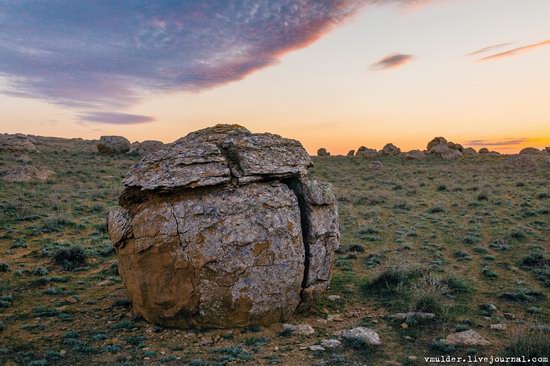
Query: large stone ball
[{"x": 224, "y": 229}]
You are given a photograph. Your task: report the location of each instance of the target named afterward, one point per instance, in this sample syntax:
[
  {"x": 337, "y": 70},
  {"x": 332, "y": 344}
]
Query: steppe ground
[{"x": 448, "y": 237}]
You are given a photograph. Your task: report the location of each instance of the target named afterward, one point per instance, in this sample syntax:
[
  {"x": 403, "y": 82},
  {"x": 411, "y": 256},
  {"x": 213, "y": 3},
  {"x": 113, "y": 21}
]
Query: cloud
[
  {"x": 516, "y": 51},
  {"x": 98, "y": 55},
  {"x": 489, "y": 48},
  {"x": 508, "y": 142},
  {"x": 114, "y": 118},
  {"x": 392, "y": 61},
  {"x": 104, "y": 56}
]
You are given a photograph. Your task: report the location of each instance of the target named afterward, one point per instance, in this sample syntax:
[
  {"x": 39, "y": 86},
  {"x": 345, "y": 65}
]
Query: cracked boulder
[{"x": 224, "y": 228}]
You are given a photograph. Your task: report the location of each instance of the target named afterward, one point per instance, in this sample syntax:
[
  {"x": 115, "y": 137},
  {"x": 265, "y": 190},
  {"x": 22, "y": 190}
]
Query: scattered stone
[
  {"x": 530, "y": 151},
  {"x": 365, "y": 152},
  {"x": 16, "y": 143},
  {"x": 26, "y": 173},
  {"x": 455, "y": 146},
  {"x": 500, "y": 326},
  {"x": 113, "y": 145},
  {"x": 333, "y": 297},
  {"x": 404, "y": 325},
  {"x": 299, "y": 329},
  {"x": 437, "y": 141},
  {"x": 415, "y": 155},
  {"x": 376, "y": 165},
  {"x": 323, "y": 152},
  {"x": 330, "y": 343},
  {"x": 316, "y": 348},
  {"x": 335, "y": 318},
  {"x": 149, "y": 146},
  {"x": 214, "y": 229},
  {"x": 351, "y": 153},
  {"x": 469, "y": 151},
  {"x": 413, "y": 315},
  {"x": 412, "y": 358},
  {"x": 483, "y": 150},
  {"x": 466, "y": 338},
  {"x": 71, "y": 300},
  {"x": 490, "y": 308},
  {"x": 440, "y": 147},
  {"x": 368, "y": 336},
  {"x": 390, "y": 150}
]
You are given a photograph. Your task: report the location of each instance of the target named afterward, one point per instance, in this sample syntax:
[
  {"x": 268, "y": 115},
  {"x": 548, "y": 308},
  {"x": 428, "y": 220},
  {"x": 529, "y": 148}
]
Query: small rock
[
  {"x": 501, "y": 326},
  {"x": 415, "y": 155},
  {"x": 330, "y": 343},
  {"x": 404, "y": 325},
  {"x": 509, "y": 315},
  {"x": 323, "y": 152},
  {"x": 364, "y": 334},
  {"x": 104, "y": 283},
  {"x": 316, "y": 348},
  {"x": 335, "y": 318},
  {"x": 365, "y": 152},
  {"x": 333, "y": 297},
  {"x": 413, "y": 315},
  {"x": 412, "y": 358},
  {"x": 71, "y": 300},
  {"x": 299, "y": 329},
  {"x": 376, "y": 165},
  {"x": 113, "y": 145},
  {"x": 390, "y": 150},
  {"x": 466, "y": 338}
]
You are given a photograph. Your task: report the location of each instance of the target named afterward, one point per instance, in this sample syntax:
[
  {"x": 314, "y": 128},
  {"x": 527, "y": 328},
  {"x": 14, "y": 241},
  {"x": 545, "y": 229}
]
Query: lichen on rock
[{"x": 224, "y": 228}]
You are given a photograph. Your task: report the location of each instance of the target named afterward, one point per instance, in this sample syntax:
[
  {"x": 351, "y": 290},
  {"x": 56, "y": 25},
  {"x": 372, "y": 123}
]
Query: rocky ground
[{"x": 466, "y": 241}]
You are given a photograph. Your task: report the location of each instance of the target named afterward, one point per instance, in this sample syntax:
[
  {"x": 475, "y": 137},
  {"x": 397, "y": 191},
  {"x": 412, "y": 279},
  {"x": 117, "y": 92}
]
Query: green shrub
[{"x": 70, "y": 258}]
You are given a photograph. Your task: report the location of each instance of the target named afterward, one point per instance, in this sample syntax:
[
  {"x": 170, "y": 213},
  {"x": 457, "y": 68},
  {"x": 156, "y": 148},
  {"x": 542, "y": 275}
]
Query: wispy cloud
[
  {"x": 114, "y": 118},
  {"x": 507, "y": 142},
  {"x": 516, "y": 51},
  {"x": 489, "y": 48},
  {"x": 391, "y": 61}
]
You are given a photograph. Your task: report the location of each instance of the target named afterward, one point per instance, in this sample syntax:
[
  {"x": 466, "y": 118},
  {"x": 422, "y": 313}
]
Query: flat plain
[{"x": 467, "y": 240}]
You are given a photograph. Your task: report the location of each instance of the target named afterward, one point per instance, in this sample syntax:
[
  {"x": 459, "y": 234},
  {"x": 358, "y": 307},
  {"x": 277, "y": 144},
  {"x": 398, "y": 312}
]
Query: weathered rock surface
[
  {"x": 483, "y": 150},
  {"x": 323, "y": 152},
  {"x": 16, "y": 143},
  {"x": 365, "y": 152},
  {"x": 469, "y": 151},
  {"x": 26, "y": 173},
  {"x": 351, "y": 153},
  {"x": 390, "y": 150},
  {"x": 366, "y": 335},
  {"x": 466, "y": 338},
  {"x": 113, "y": 145},
  {"x": 223, "y": 228}
]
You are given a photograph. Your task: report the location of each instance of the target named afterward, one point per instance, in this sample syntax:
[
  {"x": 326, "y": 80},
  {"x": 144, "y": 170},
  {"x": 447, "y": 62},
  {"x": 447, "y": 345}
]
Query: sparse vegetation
[{"x": 465, "y": 240}]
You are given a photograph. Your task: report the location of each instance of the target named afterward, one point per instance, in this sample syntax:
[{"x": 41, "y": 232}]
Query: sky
[{"x": 331, "y": 73}]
